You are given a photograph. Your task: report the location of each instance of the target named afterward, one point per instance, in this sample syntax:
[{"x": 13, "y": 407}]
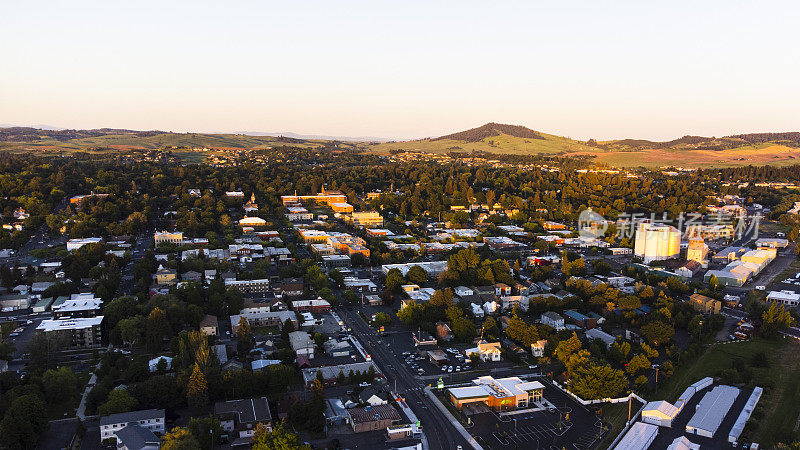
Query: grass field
[
  {"x": 775, "y": 155},
  {"x": 616, "y": 414},
  {"x": 779, "y": 407}
]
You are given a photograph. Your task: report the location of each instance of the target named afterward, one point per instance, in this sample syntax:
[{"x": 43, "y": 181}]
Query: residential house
[
  {"x": 136, "y": 437},
  {"x": 302, "y": 344},
  {"x": 240, "y": 417},
  {"x": 165, "y": 275},
  {"x": 553, "y": 320},
  {"x": 486, "y": 351},
  {"x": 537, "y": 348},
  {"x": 373, "y": 397},
  {"x": 443, "y": 332},
  {"x": 151, "y": 419},
  {"x": 209, "y": 325},
  {"x": 157, "y": 360}
]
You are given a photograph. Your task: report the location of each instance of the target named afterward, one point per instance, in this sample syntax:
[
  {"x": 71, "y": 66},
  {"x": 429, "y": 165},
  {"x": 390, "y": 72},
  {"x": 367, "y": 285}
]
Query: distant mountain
[
  {"x": 492, "y": 129},
  {"x": 316, "y": 137}
]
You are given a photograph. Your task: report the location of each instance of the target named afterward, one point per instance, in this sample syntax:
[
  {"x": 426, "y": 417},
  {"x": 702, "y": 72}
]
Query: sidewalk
[{"x": 446, "y": 413}]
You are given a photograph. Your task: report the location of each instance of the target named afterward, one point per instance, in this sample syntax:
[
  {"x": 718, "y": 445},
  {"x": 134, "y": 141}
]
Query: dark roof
[
  {"x": 369, "y": 392},
  {"x": 133, "y": 416},
  {"x": 137, "y": 437},
  {"x": 249, "y": 410},
  {"x": 368, "y": 414}
]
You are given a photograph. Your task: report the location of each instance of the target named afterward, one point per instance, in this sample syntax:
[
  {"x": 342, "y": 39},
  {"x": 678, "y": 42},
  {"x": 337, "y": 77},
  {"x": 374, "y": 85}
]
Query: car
[
  {"x": 449, "y": 370},
  {"x": 444, "y": 368},
  {"x": 363, "y": 384},
  {"x": 533, "y": 366},
  {"x": 29, "y": 322}
]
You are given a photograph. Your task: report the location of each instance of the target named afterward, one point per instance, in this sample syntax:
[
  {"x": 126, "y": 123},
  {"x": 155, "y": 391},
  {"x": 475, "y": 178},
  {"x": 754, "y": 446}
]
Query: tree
[
  {"x": 45, "y": 347},
  {"x": 593, "y": 381},
  {"x": 179, "y": 439},
  {"x": 204, "y": 429},
  {"x": 382, "y": 319},
  {"x": 775, "y": 318},
  {"x": 23, "y": 422},
  {"x": 197, "y": 389},
  {"x": 637, "y": 363},
  {"x": 60, "y": 384},
  {"x": 412, "y": 314},
  {"x": 658, "y": 332},
  {"x": 130, "y": 330},
  {"x": 119, "y": 401},
  {"x": 394, "y": 279},
  {"x": 154, "y": 330},
  {"x": 244, "y": 336},
  {"x": 417, "y": 275},
  {"x": 280, "y": 438}
]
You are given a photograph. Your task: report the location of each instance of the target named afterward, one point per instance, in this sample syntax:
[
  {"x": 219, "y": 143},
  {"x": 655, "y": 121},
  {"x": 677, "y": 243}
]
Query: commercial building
[
  {"x": 318, "y": 305},
  {"x": 434, "y": 268},
  {"x": 711, "y": 410},
  {"x": 697, "y": 250},
  {"x": 657, "y": 242},
  {"x": 370, "y": 219},
  {"x": 326, "y": 197},
  {"x": 249, "y": 286},
  {"x": 263, "y": 319},
  {"x": 167, "y": 237},
  {"x": 77, "y": 333},
  {"x": 74, "y": 244},
  {"x": 499, "y": 394},
  {"x": 371, "y": 418},
  {"x": 80, "y": 305},
  {"x": 298, "y": 214},
  {"x": 252, "y": 222},
  {"x": 786, "y": 298},
  {"x": 705, "y": 305}
]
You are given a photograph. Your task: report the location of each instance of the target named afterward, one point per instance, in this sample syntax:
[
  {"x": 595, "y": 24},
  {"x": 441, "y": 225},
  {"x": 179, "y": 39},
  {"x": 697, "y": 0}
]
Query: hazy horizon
[{"x": 403, "y": 71}]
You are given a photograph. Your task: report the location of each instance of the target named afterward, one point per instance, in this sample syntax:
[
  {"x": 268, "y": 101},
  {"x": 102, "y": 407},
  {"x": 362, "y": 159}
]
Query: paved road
[{"x": 439, "y": 432}]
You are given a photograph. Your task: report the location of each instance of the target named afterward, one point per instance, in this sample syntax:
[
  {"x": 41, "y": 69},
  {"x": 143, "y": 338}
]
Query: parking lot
[{"x": 569, "y": 424}]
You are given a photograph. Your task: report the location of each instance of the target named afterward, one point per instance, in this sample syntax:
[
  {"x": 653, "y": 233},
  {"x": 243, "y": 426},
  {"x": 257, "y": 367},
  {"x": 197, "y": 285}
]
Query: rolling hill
[{"x": 687, "y": 151}]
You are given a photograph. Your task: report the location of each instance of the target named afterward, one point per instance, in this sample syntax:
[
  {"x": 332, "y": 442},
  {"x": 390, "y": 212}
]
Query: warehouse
[
  {"x": 660, "y": 413},
  {"x": 744, "y": 416},
  {"x": 711, "y": 410},
  {"x": 639, "y": 437}
]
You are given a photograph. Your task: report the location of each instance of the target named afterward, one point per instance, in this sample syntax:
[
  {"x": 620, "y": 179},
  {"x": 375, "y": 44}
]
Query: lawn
[
  {"x": 616, "y": 414},
  {"x": 779, "y": 407}
]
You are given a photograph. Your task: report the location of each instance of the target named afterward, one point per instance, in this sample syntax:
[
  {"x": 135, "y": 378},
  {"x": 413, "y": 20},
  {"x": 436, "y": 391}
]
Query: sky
[{"x": 401, "y": 70}]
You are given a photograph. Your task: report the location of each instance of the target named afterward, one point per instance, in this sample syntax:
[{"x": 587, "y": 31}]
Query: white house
[
  {"x": 302, "y": 344},
  {"x": 477, "y": 311},
  {"x": 463, "y": 291},
  {"x": 486, "y": 351},
  {"x": 152, "y": 419},
  {"x": 553, "y": 320},
  {"x": 154, "y": 362},
  {"x": 491, "y": 307},
  {"x": 537, "y": 348}
]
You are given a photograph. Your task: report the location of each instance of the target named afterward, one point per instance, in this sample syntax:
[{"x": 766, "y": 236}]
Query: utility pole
[{"x": 629, "y": 408}]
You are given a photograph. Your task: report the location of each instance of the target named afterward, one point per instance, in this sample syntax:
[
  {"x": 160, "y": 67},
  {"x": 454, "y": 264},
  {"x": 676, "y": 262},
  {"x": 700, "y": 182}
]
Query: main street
[{"x": 439, "y": 431}]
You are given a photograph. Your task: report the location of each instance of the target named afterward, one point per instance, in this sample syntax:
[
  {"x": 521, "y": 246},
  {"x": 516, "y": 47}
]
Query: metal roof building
[
  {"x": 638, "y": 437},
  {"x": 711, "y": 410},
  {"x": 738, "y": 426}
]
